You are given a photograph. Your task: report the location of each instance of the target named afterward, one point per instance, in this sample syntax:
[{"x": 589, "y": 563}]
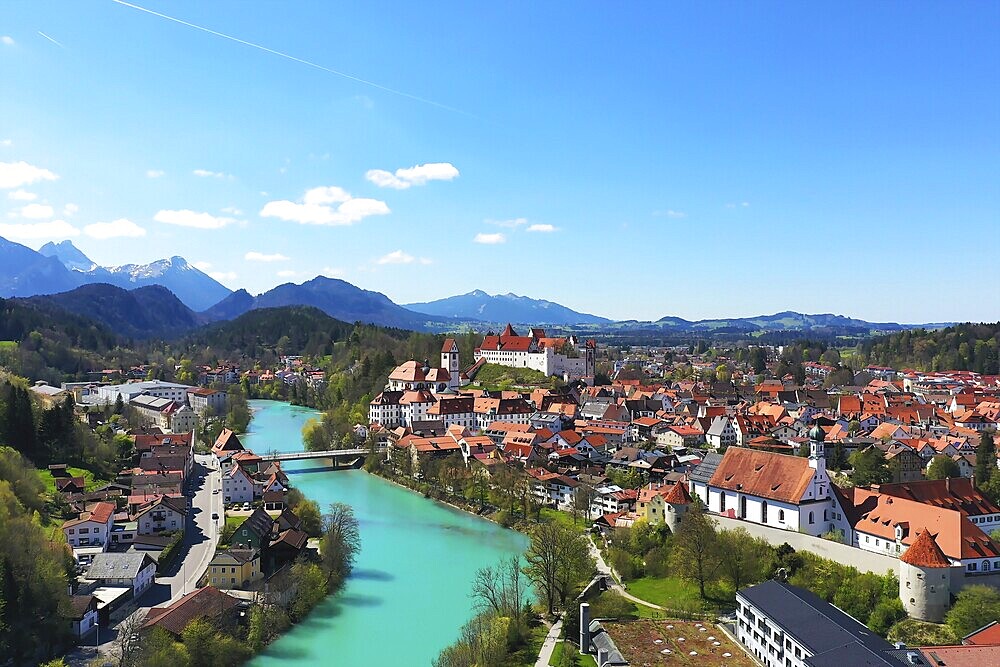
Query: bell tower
[
  {"x": 817, "y": 455},
  {"x": 449, "y": 362}
]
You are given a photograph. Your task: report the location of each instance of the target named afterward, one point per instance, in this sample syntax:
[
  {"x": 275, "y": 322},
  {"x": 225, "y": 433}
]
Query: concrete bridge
[{"x": 325, "y": 454}]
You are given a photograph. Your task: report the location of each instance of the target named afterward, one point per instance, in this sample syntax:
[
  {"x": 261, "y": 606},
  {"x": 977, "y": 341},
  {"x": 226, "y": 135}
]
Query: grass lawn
[
  {"x": 674, "y": 593},
  {"x": 578, "y": 660},
  {"x": 549, "y": 515},
  {"x": 918, "y": 633},
  {"x": 50, "y": 483}
]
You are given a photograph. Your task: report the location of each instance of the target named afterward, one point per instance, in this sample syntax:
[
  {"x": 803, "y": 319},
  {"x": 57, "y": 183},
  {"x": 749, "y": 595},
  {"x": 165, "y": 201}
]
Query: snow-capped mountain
[{"x": 193, "y": 287}]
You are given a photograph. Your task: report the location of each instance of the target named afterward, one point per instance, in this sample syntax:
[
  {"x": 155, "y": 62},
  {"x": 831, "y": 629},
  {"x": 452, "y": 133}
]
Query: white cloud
[
  {"x": 332, "y": 272},
  {"x": 744, "y": 204},
  {"x": 426, "y": 261},
  {"x": 70, "y": 209},
  {"x": 7, "y": 40},
  {"x": 6, "y": 142},
  {"x": 21, "y": 195},
  {"x": 254, "y": 256},
  {"x": 202, "y": 266},
  {"x": 232, "y": 210},
  {"x": 326, "y": 195},
  {"x": 316, "y": 209},
  {"x": 541, "y": 228},
  {"x": 16, "y": 174},
  {"x": 287, "y": 273},
  {"x": 223, "y": 276},
  {"x": 490, "y": 239},
  {"x": 53, "y": 229},
  {"x": 154, "y": 173},
  {"x": 417, "y": 175},
  {"x": 186, "y": 218},
  {"x": 37, "y": 211},
  {"x": 122, "y": 227},
  {"x": 396, "y": 257},
  {"x": 205, "y": 173},
  {"x": 670, "y": 213},
  {"x": 512, "y": 223}
]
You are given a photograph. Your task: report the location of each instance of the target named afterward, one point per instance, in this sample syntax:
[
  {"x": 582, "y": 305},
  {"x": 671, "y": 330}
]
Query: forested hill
[{"x": 963, "y": 347}]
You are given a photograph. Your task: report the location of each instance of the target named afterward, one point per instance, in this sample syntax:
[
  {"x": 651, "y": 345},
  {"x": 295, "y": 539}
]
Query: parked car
[{"x": 246, "y": 507}]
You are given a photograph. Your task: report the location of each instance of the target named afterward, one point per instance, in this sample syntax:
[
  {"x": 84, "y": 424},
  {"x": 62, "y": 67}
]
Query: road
[
  {"x": 201, "y": 534},
  {"x": 200, "y": 537}
]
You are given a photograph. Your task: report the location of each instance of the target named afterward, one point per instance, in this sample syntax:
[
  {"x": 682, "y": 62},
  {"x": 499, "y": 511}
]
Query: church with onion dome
[{"x": 777, "y": 490}]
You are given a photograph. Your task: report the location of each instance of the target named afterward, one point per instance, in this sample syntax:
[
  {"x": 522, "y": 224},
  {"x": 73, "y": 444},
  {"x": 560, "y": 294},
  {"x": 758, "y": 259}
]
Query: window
[{"x": 810, "y": 517}]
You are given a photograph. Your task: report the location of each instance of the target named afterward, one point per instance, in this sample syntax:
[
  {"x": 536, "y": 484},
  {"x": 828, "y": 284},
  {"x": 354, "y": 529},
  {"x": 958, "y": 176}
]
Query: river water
[{"x": 409, "y": 593}]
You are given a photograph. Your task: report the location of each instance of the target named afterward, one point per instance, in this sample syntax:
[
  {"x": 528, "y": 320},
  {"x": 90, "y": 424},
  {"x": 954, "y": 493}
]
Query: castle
[{"x": 565, "y": 357}]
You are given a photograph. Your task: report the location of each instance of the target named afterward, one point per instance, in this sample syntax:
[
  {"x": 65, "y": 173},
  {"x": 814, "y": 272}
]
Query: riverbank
[{"x": 417, "y": 561}]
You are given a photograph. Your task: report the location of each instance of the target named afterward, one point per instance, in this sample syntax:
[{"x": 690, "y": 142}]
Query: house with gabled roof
[{"x": 778, "y": 490}]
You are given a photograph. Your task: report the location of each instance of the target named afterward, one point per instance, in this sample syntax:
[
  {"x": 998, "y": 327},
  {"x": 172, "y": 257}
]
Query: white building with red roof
[{"x": 567, "y": 357}]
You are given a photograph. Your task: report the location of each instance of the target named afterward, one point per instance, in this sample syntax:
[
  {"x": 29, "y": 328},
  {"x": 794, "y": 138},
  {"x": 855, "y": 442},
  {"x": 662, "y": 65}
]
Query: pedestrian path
[{"x": 549, "y": 644}]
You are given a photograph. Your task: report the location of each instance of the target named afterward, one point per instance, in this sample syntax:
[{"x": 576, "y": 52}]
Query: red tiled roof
[
  {"x": 678, "y": 494},
  {"x": 207, "y": 601},
  {"x": 924, "y": 552},
  {"x": 763, "y": 474}
]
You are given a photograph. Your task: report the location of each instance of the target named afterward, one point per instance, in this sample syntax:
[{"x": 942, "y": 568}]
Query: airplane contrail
[
  {"x": 288, "y": 57},
  {"x": 51, "y": 40}
]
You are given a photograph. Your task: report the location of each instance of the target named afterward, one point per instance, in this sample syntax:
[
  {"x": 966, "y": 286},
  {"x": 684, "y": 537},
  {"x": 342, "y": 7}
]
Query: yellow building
[{"x": 234, "y": 568}]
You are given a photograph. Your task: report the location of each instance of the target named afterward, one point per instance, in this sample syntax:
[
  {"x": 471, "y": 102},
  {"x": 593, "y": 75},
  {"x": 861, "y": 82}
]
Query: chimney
[
  {"x": 585, "y": 628},
  {"x": 947, "y": 484}
]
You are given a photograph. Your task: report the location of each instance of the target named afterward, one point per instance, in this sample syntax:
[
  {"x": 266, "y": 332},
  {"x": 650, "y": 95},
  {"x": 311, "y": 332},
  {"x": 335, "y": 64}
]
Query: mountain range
[
  {"x": 503, "y": 308},
  {"x": 169, "y": 297},
  {"x": 192, "y": 286}
]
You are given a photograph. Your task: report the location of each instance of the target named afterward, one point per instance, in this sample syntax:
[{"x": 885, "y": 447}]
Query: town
[
  {"x": 499, "y": 334},
  {"x": 893, "y": 473}
]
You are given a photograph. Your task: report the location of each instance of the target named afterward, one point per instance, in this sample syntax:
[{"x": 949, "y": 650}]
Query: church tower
[
  {"x": 449, "y": 362},
  {"x": 817, "y": 456}
]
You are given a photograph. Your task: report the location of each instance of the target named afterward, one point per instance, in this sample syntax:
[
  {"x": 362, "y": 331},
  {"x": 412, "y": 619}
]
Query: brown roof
[
  {"x": 207, "y": 601},
  {"x": 763, "y": 474},
  {"x": 924, "y": 552}
]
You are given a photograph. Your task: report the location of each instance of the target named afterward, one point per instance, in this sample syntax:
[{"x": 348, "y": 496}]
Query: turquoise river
[{"x": 409, "y": 593}]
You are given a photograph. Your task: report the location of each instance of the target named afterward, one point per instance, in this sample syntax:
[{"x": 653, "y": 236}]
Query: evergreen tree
[{"x": 986, "y": 458}]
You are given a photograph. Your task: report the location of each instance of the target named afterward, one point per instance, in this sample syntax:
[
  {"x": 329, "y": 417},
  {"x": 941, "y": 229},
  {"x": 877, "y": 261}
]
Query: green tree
[
  {"x": 943, "y": 467},
  {"x": 858, "y": 595},
  {"x": 746, "y": 559},
  {"x": 160, "y": 650},
  {"x": 695, "y": 552},
  {"x": 199, "y": 640},
  {"x": 869, "y": 467},
  {"x": 986, "y": 458},
  {"x": 558, "y": 559},
  {"x": 974, "y": 607},
  {"x": 886, "y": 614}
]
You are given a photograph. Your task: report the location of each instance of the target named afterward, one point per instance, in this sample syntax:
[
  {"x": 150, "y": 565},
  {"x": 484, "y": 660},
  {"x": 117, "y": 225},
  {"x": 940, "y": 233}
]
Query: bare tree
[
  {"x": 583, "y": 499},
  {"x": 126, "y": 643}
]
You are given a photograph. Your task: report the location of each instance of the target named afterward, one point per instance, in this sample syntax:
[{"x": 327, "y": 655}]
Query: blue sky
[{"x": 633, "y": 160}]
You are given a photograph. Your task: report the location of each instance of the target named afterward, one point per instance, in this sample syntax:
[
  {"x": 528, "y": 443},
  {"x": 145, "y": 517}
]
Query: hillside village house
[
  {"x": 166, "y": 514},
  {"x": 91, "y": 529},
  {"x": 134, "y": 570}
]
